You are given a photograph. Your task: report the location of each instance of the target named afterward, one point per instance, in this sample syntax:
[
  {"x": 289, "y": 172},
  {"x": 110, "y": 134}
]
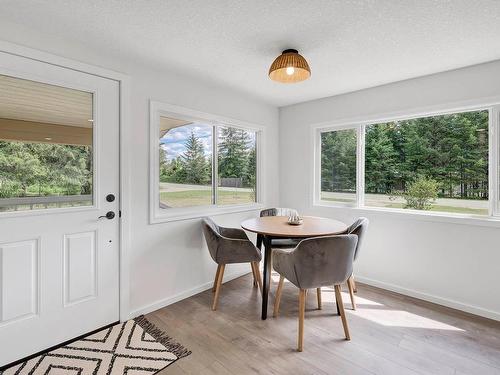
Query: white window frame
[
  {"x": 360, "y": 126},
  {"x": 159, "y": 215}
]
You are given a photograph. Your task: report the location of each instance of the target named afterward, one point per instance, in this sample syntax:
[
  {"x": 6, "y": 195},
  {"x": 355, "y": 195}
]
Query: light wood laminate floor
[{"x": 391, "y": 334}]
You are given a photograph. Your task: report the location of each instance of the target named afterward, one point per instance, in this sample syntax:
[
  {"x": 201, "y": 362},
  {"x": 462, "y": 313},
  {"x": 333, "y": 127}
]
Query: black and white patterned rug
[{"x": 135, "y": 347}]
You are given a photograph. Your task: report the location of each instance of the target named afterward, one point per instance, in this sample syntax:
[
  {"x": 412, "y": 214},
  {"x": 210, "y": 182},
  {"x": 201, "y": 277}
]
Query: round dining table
[{"x": 274, "y": 227}]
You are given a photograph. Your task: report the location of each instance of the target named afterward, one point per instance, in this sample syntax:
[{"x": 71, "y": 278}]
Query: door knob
[{"x": 109, "y": 215}]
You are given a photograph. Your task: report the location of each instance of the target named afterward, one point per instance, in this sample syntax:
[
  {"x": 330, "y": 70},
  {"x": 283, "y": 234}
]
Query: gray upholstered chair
[
  {"x": 358, "y": 228},
  {"x": 279, "y": 242},
  {"x": 230, "y": 245},
  {"x": 316, "y": 262}
]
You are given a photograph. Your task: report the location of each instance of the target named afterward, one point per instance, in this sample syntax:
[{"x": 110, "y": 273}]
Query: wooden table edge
[{"x": 287, "y": 235}]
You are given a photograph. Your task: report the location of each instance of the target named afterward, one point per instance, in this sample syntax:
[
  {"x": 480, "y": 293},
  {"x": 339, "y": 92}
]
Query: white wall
[
  {"x": 455, "y": 264},
  {"x": 168, "y": 261}
]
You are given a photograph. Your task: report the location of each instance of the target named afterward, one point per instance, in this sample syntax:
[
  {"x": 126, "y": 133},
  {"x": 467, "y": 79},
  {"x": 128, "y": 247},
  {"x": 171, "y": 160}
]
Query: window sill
[
  {"x": 198, "y": 212},
  {"x": 461, "y": 219}
]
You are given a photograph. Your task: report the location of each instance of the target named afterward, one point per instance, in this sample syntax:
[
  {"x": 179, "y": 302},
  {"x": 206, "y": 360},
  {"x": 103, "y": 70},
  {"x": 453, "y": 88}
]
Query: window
[
  {"x": 203, "y": 164},
  {"x": 438, "y": 163},
  {"x": 185, "y": 163},
  {"x": 338, "y": 166},
  {"x": 237, "y": 166},
  {"x": 46, "y": 137}
]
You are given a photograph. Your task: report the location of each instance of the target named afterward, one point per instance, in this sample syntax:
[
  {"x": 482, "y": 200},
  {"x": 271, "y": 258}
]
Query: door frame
[{"x": 124, "y": 161}]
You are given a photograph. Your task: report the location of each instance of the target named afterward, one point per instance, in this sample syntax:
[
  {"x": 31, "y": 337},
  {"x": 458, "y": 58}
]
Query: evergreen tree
[
  {"x": 338, "y": 161},
  {"x": 234, "y": 153},
  {"x": 194, "y": 164},
  {"x": 163, "y": 162},
  {"x": 19, "y": 166},
  {"x": 380, "y": 159},
  {"x": 44, "y": 169},
  {"x": 450, "y": 149},
  {"x": 69, "y": 167},
  {"x": 251, "y": 178}
]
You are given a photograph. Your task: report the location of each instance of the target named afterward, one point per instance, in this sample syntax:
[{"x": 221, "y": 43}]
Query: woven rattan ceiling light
[{"x": 289, "y": 67}]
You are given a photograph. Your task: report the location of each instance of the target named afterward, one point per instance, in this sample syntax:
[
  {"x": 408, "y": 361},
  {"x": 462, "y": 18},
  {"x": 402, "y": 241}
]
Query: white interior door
[{"x": 59, "y": 160}]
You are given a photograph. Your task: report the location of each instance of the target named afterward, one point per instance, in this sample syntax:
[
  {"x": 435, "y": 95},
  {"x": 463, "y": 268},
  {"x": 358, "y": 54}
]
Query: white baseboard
[
  {"x": 431, "y": 298},
  {"x": 180, "y": 296}
]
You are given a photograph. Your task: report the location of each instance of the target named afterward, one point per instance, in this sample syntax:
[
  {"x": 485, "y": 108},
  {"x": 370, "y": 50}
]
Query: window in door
[{"x": 46, "y": 138}]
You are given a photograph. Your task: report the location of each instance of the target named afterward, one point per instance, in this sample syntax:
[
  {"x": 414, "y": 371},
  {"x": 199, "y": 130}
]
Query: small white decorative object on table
[{"x": 295, "y": 219}]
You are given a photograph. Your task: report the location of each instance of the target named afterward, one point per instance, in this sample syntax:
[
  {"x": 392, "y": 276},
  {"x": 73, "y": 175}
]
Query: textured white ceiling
[{"x": 349, "y": 44}]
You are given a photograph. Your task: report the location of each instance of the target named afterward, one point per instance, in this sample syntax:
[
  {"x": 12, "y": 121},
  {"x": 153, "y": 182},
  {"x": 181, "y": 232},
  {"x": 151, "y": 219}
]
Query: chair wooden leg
[
  {"x": 318, "y": 295},
  {"x": 354, "y": 284},
  {"x": 302, "y": 311},
  {"x": 256, "y": 275},
  {"x": 216, "y": 277},
  {"x": 278, "y": 297},
  {"x": 218, "y": 286},
  {"x": 350, "y": 286},
  {"x": 338, "y": 297}
]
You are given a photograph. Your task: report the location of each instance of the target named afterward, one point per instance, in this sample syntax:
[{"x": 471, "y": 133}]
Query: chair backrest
[
  {"x": 324, "y": 261},
  {"x": 278, "y": 212},
  {"x": 358, "y": 228},
  {"x": 212, "y": 236}
]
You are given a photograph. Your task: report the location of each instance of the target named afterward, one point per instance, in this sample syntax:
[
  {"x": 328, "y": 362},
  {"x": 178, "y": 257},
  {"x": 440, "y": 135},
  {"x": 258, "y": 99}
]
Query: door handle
[{"x": 109, "y": 215}]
